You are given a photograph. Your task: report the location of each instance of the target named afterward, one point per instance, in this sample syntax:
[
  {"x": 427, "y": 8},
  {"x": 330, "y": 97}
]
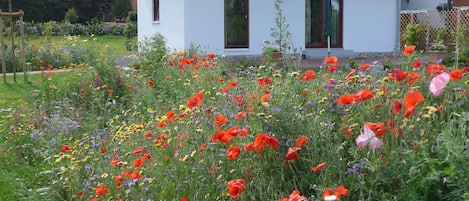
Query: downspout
[{"x": 398, "y": 25}]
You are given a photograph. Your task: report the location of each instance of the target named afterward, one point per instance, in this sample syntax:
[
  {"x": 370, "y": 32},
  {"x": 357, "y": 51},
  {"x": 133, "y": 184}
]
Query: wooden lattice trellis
[
  {"x": 12, "y": 15},
  {"x": 453, "y": 23}
]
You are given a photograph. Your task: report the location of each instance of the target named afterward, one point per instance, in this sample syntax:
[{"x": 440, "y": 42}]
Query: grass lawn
[
  {"x": 11, "y": 92},
  {"x": 116, "y": 44}
]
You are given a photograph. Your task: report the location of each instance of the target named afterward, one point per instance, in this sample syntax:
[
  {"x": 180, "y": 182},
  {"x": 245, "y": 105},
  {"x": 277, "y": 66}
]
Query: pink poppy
[
  {"x": 438, "y": 83},
  {"x": 368, "y": 138}
]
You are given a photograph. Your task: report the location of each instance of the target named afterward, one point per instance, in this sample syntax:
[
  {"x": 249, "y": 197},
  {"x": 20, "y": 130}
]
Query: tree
[
  {"x": 121, "y": 8},
  {"x": 71, "y": 15}
]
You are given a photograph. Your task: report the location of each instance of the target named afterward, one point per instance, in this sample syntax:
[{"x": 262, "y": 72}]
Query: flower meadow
[{"x": 185, "y": 126}]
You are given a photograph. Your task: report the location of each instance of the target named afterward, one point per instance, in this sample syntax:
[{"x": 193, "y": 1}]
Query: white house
[{"x": 238, "y": 27}]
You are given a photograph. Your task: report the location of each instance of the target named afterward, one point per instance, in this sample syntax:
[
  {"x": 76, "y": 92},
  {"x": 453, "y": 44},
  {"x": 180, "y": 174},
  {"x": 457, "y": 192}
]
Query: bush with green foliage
[
  {"x": 71, "y": 16},
  {"x": 132, "y": 16},
  {"x": 412, "y": 34}
]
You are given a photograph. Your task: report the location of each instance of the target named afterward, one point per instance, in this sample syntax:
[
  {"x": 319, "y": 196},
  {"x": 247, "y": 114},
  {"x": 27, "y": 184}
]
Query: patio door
[
  {"x": 315, "y": 24},
  {"x": 236, "y": 24}
]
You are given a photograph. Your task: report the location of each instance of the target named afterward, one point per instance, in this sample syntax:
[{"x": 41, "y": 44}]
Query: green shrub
[
  {"x": 132, "y": 16},
  {"x": 71, "y": 15},
  {"x": 412, "y": 34}
]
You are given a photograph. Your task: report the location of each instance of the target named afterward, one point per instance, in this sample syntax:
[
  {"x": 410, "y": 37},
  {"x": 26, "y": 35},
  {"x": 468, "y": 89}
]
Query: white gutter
[{"x": 398, "y": 26}]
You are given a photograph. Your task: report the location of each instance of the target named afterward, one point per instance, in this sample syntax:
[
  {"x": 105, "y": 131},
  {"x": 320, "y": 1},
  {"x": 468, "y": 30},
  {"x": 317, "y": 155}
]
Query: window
[
  {"x": 156, "y": 10},
  {"x": 315, "y": 23},
  {"x": 236, "y": 24}
]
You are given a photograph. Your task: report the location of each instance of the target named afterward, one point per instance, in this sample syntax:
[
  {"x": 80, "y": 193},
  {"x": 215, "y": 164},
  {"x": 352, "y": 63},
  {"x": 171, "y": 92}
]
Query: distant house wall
[
  {"x": 421, "y": 4},
  {"x": 459, "y": 2},
  {"x": 370, "y": 25},
  {"x": 171, "y": 24},
  {"x": 134, "y": 4}
]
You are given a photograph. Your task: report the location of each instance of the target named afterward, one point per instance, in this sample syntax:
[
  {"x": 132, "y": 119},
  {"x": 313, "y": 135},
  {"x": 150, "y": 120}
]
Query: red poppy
[
  {"x": 364, "y": 66},
  {"x": 465, "y": 69},
  {"x": 397, "y": 75},
  {"x": 396, "y": 106},
  {"x": 115, "y": 161},
  {"x": 184, "y": 198},
  {"x": 413, "y": 77},
  {"x": 331, "y": 69},
  {"x": 331, "y": 60},
  {"x": 309, "y": 75},
  {"x": 240, "y": 115},
  {"x": 138, "y": 163},
  {"x": 292, "y": 154},
  {"x": 233, "y": 83},
  {"x": 64, "y": 149},
  {"x": 295, "y": 195},
  {"x": 211, "y": 55},
  {"x": 319, "y": 167},
  {"x": 434, "y": 69},
  {"x": 150, "y": 83},
  {"x": 409, "y": 50},
  {"x": 202, "y": 147},
  {"x": 138, "y": 151},
  {"x": 455, "y": 75},
  {"x": 195, "y": 100},
  {"x": 135, "y": 175},
  {"x": 243, "y": 132},
  {"x": 162, "y": 124},
  {"x": 110, "y": 91},
  {"x": 146, "y": 155},
  {"x": 409, "y": 111},
  {"x": 220, "y": 120},
  {"x": 346, "y": 99},
  {"x": 300, "y": 141},
  {"x": 349, "y": 76},
  {"x": 347, "y": 130},
  {"x": 170, "y": 115},
  {"x": 266, "y": 97},
  {"x": 236, "y": 187},
  {"x": 222, "y": 136},
  {"x": 261, "y": 141},
  {"x": 233, "y": 152},
  {"x": 264, "y": 81},
  {"x": 363, "y": 95},
  {"x": 378, "y": 128},
  {"x": 339, "y": 192},
  {"x": 239, "y": 101},
  {"x": 101, "y": 190},
  {"x": 417, "y": 63},
  {"x": 413, "y": 98}
]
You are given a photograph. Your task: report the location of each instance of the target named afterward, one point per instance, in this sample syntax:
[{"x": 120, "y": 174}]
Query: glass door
[
  {"x": 315, "y": 24},
  {"x": 236, "y": 24}
]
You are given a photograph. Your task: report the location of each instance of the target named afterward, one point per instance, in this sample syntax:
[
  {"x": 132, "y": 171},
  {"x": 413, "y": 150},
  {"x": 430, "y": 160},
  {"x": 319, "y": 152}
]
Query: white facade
[
  {"x": 368, "y": 25},
  {"x": 421, "y": 4},
  {"x": 374, "y": 29}
]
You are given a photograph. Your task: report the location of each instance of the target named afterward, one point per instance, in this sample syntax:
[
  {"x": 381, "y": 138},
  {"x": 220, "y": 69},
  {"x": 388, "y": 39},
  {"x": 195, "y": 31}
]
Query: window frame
[{"x": 156, "y": 10}]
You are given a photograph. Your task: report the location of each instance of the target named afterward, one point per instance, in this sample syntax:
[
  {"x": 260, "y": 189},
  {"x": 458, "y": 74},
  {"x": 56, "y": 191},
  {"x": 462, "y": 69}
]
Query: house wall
[
  {"x": 370, "y": 25},
  {"x": 170, "y": 24},
  {"x": 134, "y": 4},
  {"x": 421, "y": 4},
  {"x": 207, "y": 30},
  {"x": 459, "y": 2}
]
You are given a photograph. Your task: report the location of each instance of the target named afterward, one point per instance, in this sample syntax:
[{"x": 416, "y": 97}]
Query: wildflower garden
[{"x": 186, "y": 126}]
